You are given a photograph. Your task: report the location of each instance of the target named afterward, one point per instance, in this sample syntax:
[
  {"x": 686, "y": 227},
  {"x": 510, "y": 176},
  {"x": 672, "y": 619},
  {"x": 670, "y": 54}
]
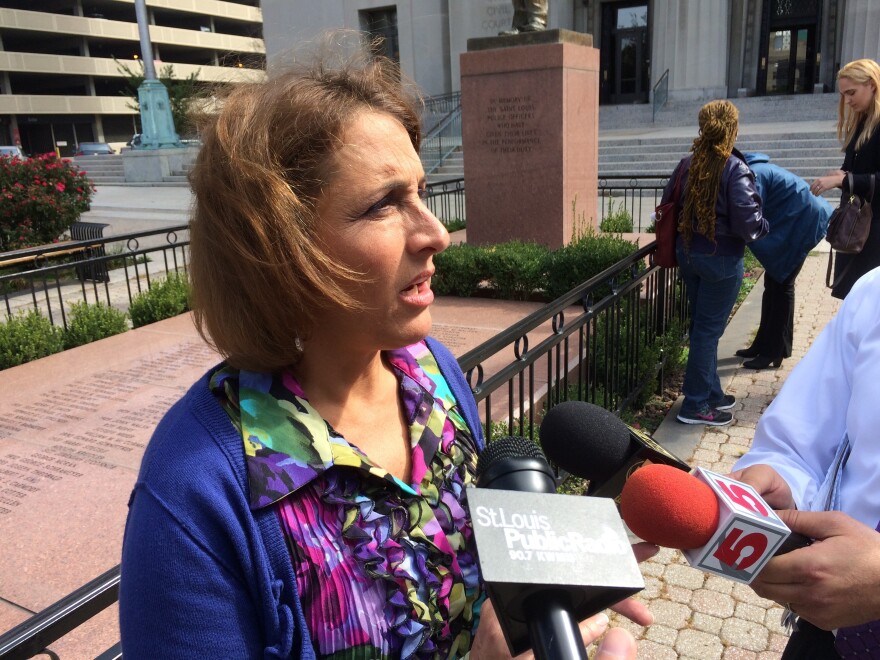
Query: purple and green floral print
[{"x": 384, "y": 569}]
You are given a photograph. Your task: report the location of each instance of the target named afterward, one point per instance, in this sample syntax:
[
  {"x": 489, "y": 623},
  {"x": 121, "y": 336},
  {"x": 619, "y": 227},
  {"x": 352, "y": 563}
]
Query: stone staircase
[
  {"x": 102, "y": 170},
  {"x": 110, "y": 170},
  {"x": 808, "y": 155},
  {"x": 798, "y": 132}
]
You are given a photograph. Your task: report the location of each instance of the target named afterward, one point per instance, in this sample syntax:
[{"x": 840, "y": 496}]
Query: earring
[{"x": 297, "y": 344}]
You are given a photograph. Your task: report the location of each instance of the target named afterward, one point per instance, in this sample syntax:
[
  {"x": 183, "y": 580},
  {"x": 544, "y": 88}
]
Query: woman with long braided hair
[{"x": 719, "y": 213}]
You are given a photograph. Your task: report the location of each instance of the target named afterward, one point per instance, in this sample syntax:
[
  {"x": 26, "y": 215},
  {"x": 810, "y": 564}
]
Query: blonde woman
[
  {"x": 857, "y": 118},
  {"x": 720, "y": 211}
]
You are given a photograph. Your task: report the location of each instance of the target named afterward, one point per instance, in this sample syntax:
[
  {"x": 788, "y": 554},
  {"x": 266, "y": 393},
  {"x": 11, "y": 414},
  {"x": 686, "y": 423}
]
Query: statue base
[{"x": 530, "y": 133}]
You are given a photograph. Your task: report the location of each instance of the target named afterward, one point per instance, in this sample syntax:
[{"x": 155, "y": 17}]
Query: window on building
[{"x": 381, "y": 24}]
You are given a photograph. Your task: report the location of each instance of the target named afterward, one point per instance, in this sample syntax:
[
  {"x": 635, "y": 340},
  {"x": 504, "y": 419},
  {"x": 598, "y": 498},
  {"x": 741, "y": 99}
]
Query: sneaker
[
  {"x": 726, "y": 402},
  {"x": 708, "y": 416}
]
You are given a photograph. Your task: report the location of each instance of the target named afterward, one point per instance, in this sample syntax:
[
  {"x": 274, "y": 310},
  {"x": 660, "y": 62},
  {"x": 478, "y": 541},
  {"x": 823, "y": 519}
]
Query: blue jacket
[
  {"x": 202, "y": 574},
  {"x": 798, "y": 219}
]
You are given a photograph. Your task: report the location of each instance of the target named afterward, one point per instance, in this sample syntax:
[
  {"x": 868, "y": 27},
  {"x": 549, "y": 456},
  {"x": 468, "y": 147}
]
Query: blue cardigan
[{"x": 202, "y": 574}]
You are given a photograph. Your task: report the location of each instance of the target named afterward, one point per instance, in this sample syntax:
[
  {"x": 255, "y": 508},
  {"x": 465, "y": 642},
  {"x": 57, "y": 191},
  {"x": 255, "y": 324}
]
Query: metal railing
[
  {"x": 601, "y": 343},
  {"x": 597, "y": 343},
  {"x": 660, "y": 94},
  {"x": 446, "y": 200},
  {"x": 443, "y": 138},
  {"x": 52, "y": 279},
  {"x": 637, "y": 195}
]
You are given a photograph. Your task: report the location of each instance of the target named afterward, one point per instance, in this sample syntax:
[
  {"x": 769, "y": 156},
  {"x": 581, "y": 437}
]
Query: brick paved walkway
[{"x": 704, "y": 617}]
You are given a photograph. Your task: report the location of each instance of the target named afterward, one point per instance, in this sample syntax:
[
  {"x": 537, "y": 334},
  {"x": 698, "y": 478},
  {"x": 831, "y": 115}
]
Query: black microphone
[
  {"x": 542, "y": 573},
  {"x": 590, "y": 442}
]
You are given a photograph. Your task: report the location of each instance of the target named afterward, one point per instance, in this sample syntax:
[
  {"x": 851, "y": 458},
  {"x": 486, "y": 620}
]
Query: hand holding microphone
[
  {"x": 547, "y": 560},
  {"x": 721, "y": 526}
]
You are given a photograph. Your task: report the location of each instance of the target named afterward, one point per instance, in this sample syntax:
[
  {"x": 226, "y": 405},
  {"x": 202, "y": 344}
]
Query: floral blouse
[{"x": 384, "y": 569}]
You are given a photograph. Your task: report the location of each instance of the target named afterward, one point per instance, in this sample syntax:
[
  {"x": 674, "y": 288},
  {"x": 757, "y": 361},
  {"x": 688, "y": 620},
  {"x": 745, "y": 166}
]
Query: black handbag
[{"x": 848, "y": 228}]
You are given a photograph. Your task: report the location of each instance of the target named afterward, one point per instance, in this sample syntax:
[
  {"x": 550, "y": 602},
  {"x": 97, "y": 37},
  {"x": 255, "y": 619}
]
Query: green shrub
[
  {"x": 516, "y": 269},
  {"x": 586, "y": 256},
  {"x": 42, "y": 197},
  {"x": 87, "y": 323},
  {"x": 455, "y": 224},
  {"x": 459, "y": 271},
  {"x": 164, "y": 299},
  {"x": 28, "y": 336},
  {"x": 617, "y": 220}
]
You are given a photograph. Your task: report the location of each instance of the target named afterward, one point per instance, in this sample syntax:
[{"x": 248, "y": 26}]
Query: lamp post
[{"x": 157, "y": 124}]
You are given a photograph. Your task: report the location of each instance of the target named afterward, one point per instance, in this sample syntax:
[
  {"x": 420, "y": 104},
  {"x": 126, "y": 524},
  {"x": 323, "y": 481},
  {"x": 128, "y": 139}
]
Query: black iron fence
[
  {"x": 112, "y": 270},
  {"x": 602, "y": 342},
  {"x": 635, "y": 195},
  {"x": 108, "y": 270},
  {"x": 446, "y": 200}
]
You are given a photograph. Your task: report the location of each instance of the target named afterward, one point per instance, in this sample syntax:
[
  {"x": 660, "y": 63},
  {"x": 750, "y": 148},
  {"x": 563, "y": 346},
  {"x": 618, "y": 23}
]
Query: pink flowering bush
[{"x": 39, "y": 199}]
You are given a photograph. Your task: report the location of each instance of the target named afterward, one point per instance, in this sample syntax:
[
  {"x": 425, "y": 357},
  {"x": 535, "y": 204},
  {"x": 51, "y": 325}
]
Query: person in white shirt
[{"x": 815, "y": 456}]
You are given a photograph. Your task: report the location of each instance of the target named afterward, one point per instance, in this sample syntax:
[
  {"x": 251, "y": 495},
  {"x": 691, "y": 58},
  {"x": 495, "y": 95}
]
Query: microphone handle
[
  {"x": 793, "y": 542},
  {"x": 554, "y": 633}
]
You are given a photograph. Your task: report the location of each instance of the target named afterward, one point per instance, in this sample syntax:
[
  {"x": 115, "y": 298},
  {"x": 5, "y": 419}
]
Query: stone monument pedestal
[{"x": 530, "y": 133}]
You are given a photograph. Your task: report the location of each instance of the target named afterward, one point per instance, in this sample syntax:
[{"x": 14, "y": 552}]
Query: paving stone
[
  {"x": 744, "y": 594},
  {"x": 731, "y": 653},
  {"x": 667, "y": 613},
  {"x": 712, "y": 602},
  {"x": 719, "y": 584},
  {"x": 706, "y": 622},
  {"x": 698, "y": 644},
  {"x": 744, "y": 635},
  {"x": 778, "y": 642},
  {"x": 651, "y": 650},
  {"x": 679, "y": 594},
  {"x": 773, "y": 620},
  {"x": 653, "y": 588},
  {"x": 769, "y": 655},
  {"x": 652, "y": 568},
  {"x": 661, "y": 634},
  {"x": 684, "y": 576},
  {"x": 706, "y": 456},
  {"x": 751, "y": 612}
]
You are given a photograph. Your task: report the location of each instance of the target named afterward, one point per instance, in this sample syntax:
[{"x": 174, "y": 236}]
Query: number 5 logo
[
  {"x": 742, "y": 497},
  {"x": 732, "y": 547}
]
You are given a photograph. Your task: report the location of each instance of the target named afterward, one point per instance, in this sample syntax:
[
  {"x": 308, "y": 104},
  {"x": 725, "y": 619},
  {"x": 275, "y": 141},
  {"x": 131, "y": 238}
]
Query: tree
[{"x": 181, "y": 92}]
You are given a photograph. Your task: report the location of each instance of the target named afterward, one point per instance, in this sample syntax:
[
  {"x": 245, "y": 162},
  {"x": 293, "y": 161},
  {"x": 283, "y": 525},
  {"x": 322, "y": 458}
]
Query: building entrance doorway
[
  {"x": 789, "y": 47},
  {"x": 625, "y": 53}
]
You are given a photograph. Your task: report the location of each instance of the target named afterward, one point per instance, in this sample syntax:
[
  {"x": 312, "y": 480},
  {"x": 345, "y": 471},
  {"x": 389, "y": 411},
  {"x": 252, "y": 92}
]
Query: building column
[
  {"x": 691, "y": 38},
  {"x": 861, "y": 39}
]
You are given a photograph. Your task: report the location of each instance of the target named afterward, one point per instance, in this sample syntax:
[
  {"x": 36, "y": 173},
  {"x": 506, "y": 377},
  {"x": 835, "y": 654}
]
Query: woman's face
[
  {"x": 374, "y": 221},
  {"x": 858, "y": 96}
]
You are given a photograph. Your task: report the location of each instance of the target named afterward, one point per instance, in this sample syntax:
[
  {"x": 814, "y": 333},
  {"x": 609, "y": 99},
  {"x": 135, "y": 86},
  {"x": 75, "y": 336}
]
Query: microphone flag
[
  {"x": 749, "y": 531},
  {"x": 529, "y": 543}
]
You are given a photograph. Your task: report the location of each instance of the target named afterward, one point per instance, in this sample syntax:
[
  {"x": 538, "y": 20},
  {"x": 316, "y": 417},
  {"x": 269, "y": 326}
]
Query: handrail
[
  {"x": 660, "y": 94},
  {"x": 34, "y": 635}
]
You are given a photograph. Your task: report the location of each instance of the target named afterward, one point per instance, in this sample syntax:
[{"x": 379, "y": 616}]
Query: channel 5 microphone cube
[{"x": 748, "y": 535}]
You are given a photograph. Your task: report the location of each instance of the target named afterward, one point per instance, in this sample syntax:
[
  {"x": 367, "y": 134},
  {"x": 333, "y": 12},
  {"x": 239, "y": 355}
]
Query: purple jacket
[{"x": 738, "y": 220}]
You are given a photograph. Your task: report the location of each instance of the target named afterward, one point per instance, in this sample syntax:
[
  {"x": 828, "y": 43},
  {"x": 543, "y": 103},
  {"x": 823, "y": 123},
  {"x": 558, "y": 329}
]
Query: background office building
[
  {"x": 60, "y": 85},
  {"x": 707, "y": 48}
]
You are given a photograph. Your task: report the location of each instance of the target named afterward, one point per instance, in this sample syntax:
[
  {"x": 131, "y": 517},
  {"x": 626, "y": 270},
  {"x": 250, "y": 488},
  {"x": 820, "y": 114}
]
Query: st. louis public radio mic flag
[{"x": 541, "y": 540}]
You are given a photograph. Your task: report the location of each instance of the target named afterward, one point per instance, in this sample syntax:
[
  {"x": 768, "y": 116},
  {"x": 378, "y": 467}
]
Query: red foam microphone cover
[{"x": 669, "y": 507}]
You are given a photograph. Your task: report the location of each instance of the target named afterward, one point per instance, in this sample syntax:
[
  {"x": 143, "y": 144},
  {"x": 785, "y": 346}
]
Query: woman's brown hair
[
  {"x": 719, "y": 121},
  {"x": 258, "y": 273},
  {"x": 861, "y": 72}
]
